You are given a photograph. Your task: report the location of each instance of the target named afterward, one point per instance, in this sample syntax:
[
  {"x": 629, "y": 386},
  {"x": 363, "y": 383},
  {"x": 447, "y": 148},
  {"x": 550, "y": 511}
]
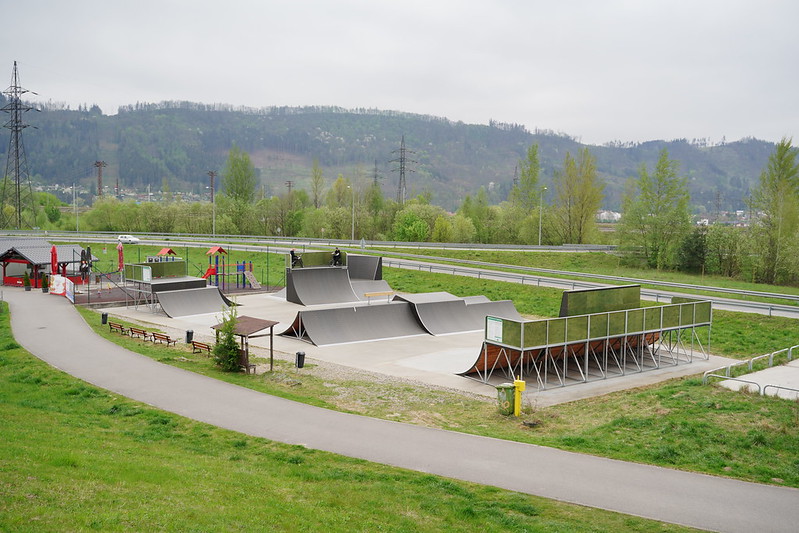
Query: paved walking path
[{"x": 51, "y": 329}]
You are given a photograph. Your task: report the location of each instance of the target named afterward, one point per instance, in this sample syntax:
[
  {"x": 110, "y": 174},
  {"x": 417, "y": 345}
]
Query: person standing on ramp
[{"x": 296, "y": 260}]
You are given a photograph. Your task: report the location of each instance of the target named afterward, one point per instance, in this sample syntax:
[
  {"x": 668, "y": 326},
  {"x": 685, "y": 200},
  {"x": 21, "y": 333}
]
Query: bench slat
[
  {"x": 161, "y": 337},
  {"x": 113, "y": 326},
  {"x": 138, "y": 332},
  {"x": 197, "y": 346}
]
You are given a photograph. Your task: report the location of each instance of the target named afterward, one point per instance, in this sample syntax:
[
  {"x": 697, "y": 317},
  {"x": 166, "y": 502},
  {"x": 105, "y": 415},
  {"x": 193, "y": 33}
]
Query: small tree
[
  {"x": 226, "y": 350},
  {"x": 26, "y": 280}
]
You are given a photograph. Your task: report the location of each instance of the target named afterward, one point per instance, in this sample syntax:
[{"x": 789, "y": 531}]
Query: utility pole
[
  {"x": 290, "y": 185},
  {"x": 376, "y": 176},
  {"x": 402, "y": 160},
  {"x": 212, "y": 175},
  {"x": 17, "y": 164},
  {"x": 100, "y": 165}
]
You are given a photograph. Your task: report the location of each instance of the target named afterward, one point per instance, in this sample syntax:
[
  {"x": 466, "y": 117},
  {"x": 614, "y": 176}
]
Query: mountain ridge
[{"x": 177, "y": 143}]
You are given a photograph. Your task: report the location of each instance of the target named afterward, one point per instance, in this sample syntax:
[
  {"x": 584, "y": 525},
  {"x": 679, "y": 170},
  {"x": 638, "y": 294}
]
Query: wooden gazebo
[{"x": 246, "y": 327}]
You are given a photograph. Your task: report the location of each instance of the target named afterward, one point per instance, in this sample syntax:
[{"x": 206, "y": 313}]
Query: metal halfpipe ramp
[
  {"x": 365, "y": 266},
  {"x": 313, "y": 286},
  {"x": 342, "y": 325},
  {"x": 192, "y": 301},
  {"x": 441, "y": 313}
]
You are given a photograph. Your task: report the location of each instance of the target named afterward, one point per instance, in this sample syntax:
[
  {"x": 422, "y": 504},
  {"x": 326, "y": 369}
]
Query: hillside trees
[
  {"x": 525, "y": 194},
  {"x": 655, "y": 216},
  {"x": 776, "y": 231},
  {"x": 578, "y": 197},
  {"x": 239, "y": 178},
  {"x": 317, "y": 183}
]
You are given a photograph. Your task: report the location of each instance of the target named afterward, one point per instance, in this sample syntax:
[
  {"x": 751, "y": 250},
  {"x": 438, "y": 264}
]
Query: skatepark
[{"x": 348, "y": 315}]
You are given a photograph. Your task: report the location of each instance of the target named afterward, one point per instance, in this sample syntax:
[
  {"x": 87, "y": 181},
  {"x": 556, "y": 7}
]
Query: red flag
[
  {"x": 54, "y": 260},
  {"x": 121, "y": 256}
]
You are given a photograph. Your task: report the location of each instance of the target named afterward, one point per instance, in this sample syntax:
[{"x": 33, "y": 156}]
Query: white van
[{"x": 128, "y": 239}]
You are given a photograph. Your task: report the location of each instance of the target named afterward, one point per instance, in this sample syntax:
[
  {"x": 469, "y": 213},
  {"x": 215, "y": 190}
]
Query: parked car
[{"x": 128, "y": 239}]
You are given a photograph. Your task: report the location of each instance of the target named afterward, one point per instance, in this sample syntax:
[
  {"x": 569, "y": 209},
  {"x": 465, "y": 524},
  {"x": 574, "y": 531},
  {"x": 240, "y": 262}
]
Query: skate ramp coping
[{"x": 198, "y": 301}]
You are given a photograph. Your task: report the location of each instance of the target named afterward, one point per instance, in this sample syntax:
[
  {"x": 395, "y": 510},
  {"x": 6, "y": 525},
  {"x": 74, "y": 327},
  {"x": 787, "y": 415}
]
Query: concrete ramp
[
  {"x": 323, "y": 285},
  {"x": 192, "y": 301},
  {"x": 355, "y": 324}
]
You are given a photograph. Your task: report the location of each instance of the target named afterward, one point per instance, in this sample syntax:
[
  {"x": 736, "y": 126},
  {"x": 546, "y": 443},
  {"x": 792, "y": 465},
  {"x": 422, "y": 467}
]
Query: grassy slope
[{"x": 77, "y": 458}]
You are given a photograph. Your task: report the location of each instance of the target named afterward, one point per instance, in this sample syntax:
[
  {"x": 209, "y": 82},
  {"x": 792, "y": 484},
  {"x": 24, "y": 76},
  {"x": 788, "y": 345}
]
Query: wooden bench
[
  {"x": 161, "y": 337},
  {"x": 370, "y": 295},
  {"x": 113, "y": 326},
  {"x": 139, "y": 332},
  {"x": 197, "y": 347}
]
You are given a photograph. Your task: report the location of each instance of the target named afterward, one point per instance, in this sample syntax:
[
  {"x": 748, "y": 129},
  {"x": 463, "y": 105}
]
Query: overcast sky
[{"x": 598, "y": 70}]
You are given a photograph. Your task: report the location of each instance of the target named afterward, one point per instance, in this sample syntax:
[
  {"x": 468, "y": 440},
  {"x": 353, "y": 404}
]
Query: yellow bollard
[{"x": 519, "y": 385}]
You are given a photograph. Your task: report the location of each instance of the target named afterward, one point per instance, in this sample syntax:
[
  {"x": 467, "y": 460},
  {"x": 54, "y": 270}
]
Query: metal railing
[{"x": 725, "y": 372}]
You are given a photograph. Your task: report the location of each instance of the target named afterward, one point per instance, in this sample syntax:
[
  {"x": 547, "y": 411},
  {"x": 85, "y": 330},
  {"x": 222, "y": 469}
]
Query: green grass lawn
[
  {"x": 600, "y": 263},
  {"x": 78, "y": 458}
]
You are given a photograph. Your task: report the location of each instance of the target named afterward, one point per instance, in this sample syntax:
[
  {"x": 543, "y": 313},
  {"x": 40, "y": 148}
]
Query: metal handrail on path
[
  {"x": 727, "y": 378},
  {"x": 727, "y": 369},
  {"x": 780, "y": 387}
]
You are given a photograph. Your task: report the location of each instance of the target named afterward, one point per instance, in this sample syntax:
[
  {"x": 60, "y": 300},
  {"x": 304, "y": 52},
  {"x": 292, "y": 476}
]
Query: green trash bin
[{"x": 505, "y": 393}]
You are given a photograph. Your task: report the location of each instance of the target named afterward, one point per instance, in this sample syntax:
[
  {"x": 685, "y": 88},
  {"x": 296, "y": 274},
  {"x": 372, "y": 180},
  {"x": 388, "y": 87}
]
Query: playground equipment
[{"x": 241, "y": 272}]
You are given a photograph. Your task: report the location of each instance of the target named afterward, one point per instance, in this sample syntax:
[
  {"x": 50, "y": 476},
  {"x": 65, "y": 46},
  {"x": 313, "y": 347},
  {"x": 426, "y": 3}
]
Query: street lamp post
[{"x": 540, "y": 213}]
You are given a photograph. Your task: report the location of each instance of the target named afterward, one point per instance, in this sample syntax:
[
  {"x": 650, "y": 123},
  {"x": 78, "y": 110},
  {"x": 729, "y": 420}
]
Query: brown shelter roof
[{"x": 246, "y": 326}]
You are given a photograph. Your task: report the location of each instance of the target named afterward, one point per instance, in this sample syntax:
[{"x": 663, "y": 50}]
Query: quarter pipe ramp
[
  {"x": 313, "y": 286},
  {"x": 192, "y": 301}
]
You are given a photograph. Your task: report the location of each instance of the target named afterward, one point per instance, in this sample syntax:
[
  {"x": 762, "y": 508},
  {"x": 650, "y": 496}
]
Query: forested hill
[{"x": 175, "y": 144}]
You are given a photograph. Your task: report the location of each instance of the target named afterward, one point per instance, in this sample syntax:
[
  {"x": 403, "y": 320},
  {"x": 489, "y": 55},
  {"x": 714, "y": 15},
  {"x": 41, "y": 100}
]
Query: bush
[{"x": 226, "y": 350}]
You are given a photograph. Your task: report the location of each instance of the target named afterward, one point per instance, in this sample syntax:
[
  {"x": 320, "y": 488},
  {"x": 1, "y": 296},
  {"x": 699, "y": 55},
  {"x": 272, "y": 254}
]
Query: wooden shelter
[{"x": 247, "y": 327}]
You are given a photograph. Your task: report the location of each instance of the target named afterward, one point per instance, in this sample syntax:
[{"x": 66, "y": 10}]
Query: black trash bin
[
  {"x": 300, "y": 359},
  {"x": 104, "y": 318},
  {"x": 189, "y": 336}
]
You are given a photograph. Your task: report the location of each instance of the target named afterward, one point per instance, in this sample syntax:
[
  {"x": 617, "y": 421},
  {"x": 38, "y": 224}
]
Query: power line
[
  {"x": 403, "y": 161},
  {"x": 17, "y": 162}
]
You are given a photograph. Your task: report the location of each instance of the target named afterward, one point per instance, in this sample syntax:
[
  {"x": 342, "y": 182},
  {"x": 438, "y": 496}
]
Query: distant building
[{"x": 608, "y": 216}]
